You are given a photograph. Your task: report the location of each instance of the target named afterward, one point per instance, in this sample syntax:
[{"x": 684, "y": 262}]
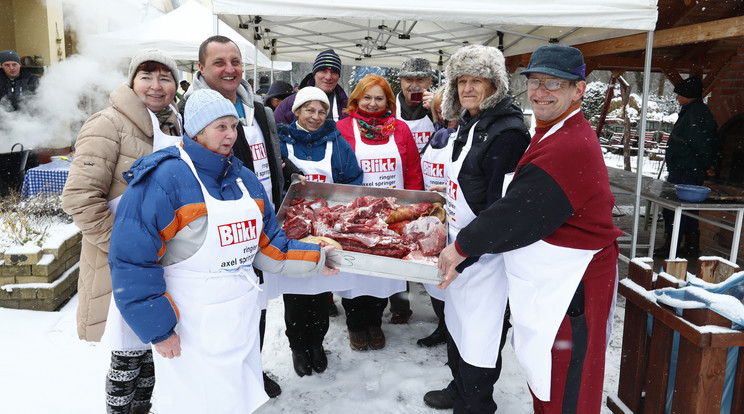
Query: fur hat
[
  {"x": 151, "y": 55},
  {"x": 415, "y": 68},
  {"x": 327, "y": 59},
  {"x": 9, "y": 56},
  {"x": 478, "y": 61},
  {"x": 307, "y": 94},
  {"x": 203, "y": 107},
  {"x": 563, "y": 62},
  {"x": 691, "y": 88}
]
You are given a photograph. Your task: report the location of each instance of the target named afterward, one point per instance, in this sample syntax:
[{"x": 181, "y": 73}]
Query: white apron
[
  {"x": 542, "y": 281},
  {"x": 476, "y": 300},
  {"x": 277, "y": 284},
  {"x": 422, "y": 129},
  {"x": 117, "y": 334},
  {"x": 259, "y": 153},
  {"x": 383, "y": 167},
  {"x": 216, "y": 293}
]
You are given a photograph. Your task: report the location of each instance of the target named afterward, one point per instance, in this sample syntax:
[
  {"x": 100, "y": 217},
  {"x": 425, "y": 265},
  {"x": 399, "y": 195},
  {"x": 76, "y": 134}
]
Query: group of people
[{"x": 177, "y": 207}]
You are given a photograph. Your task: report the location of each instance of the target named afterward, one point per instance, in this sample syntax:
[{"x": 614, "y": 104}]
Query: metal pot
[{"x": 12, "y": 169}]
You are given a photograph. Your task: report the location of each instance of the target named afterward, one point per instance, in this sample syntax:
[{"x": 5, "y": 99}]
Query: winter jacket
[
  {"x": 12, "y": 91},
  {"x": 560, "y": 194},
  {"x": 265, "y": 119},
  {"x": 693, "y": 143},
  {"x": 312, "y": 147},
  {"x": 499, "y": 140},
  {"x": 283, "y": 113},
  {"x": 413, "y": 178},
  {"x": 107, "y": 145},
  {"x": 162, "y": 219}
]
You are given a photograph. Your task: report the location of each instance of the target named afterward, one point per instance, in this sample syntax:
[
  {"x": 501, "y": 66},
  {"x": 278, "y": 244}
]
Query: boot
[
  {"x": 301, "y": 362},
  {"x": 439, "y": 336},
  {"x": 439, "y": 400},
  {"x": 140, "y": 409},
  {"x": 319, "y": 359},
  {"x": 691, "y": 249},
  {"x": 358, "y": 340},
  {"x": 375, "y": 337},
  {"x": 271, "y": 388}
]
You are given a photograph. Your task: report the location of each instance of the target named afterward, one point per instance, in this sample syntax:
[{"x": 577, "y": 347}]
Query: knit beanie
[
  {"x": 691, "y": 88},
  {"x": 9, "y": 55},
  {"x": 327, "y": 59},
  {"x": 203, "y": 107},
  {"x": 415, "y": 68},
  {"x": 480, "y": 62},
  {"x": 310, "y": 93},
  {"x": 151, "y": 55}
]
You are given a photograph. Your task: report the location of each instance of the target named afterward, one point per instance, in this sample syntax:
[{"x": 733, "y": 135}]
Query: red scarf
[{"x": 375, "y": 126}]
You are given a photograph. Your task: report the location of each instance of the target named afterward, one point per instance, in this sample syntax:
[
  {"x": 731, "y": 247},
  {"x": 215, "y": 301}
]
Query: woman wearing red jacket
[{"x": 388, "y": 155}]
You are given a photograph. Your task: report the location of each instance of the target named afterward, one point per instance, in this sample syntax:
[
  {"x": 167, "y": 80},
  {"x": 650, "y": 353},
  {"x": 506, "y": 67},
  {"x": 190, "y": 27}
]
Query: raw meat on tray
[{"x": 373, "y": 225}]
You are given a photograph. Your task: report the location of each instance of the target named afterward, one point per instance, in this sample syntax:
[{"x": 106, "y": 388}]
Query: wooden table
[{"x": 662, "y": 193}]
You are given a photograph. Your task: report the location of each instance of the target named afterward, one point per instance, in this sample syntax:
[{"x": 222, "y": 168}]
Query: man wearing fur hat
[
  {"x": 257, "y": 146},
  {"x": 554, "y": 229},
  {"x": 325, "y": 75},
  {"x": 690, "y": 155},
  {"x": 490, "y": 139},
  {"x": 414, "y": 109},
  {"x": 15, "y": 81}
]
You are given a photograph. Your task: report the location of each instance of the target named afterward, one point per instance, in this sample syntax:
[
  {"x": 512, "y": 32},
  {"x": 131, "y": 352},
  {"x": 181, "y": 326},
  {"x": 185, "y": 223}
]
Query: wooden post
[
  {"x": 715, "y": 270},
  {"x": 632, "y": 365},
  {"x": 676, "y": 268}
]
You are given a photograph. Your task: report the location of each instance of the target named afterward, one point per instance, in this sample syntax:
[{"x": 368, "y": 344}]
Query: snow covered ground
[{"x": 47, "y": 369}]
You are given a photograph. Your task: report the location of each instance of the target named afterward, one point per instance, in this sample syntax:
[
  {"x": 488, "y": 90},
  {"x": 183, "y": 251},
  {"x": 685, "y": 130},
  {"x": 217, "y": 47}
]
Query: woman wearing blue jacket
[
  {"x": 315, "y": 146},
  {"x": 188, "y": 231}
]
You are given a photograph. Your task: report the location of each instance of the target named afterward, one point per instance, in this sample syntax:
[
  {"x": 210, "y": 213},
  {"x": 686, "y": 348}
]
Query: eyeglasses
[
  {"x": 550, "y": 84},
  {"x": 313, "y": 112}
]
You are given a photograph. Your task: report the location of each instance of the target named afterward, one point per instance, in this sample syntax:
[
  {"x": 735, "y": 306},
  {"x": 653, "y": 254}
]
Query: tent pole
[{"x": 642, "y": 140}]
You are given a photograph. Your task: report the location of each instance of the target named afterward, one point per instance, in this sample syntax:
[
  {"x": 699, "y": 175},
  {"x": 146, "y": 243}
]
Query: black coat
[{"x": 12, "y": 91}]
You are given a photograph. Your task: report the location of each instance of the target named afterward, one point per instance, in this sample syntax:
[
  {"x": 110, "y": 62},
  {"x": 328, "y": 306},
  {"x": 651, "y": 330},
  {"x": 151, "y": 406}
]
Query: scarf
[
  {"x": 166, "y": 126},
  {"x": 375, "y": 126},
  {"x": 548, "y": 124}
]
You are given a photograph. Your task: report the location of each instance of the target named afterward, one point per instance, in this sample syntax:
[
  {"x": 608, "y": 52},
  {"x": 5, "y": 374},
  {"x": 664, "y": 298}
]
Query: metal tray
[{"x": 362, "y": 263}]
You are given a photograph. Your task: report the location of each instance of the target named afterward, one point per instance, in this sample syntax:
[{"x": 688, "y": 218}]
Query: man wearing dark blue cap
[
  {"x": 325, "y": 75},
  {"x": 15, "y": 81},
  {"x": 554, "y": 227},
  {"x": 691, "y": 152}
]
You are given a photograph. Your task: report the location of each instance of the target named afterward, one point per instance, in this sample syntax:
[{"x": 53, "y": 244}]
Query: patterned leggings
[{"x": 129, "y": 382}]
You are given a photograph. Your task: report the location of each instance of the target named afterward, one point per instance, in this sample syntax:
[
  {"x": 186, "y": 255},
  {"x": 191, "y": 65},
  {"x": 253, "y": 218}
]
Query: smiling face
[
  {"x": 326, "y": 80},
  {"x": 155, "y": 89},
  {"x": 373, "y": 100},
  {"x": 222, "y": 69},
  {"x": 220, "y": 135},
  {"x": 473, "y": 91},
  {"x": 549, "y": 105},
  {"x": 311, "y": 115}
]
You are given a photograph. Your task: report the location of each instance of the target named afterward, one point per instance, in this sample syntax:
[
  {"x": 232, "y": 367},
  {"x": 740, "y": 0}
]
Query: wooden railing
[{"x": 703, "y": 345}]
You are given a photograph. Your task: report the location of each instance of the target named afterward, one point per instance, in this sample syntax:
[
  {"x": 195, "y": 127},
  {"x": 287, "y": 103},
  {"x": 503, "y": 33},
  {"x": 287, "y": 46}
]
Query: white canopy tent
[
  {"x": 386, "y": 32},
  {"x": 179, "y": 34}
]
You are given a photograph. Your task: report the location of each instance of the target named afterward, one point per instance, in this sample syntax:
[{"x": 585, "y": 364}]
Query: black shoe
[
  {"x": 301, "y": 362},
  {"x": 439, "y": 400},
  {"x": 271, "y": 387},
  {"x": 319, "y": 360},
  {"x": 439, "y": 336}
]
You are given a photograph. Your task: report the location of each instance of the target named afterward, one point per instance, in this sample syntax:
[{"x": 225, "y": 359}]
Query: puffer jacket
[
  {"x": 162, "y": 220},
  {"x": 311, "y": 146},
  {"x": 107, "y": 145}
]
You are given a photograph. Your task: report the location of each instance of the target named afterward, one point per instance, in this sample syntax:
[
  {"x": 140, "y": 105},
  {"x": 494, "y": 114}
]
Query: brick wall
[{"x": 725, "y": 101}]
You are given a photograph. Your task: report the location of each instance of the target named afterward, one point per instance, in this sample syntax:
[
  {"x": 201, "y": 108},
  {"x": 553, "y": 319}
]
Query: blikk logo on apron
[
  {"x": 434, "y": 170},
  {"x": 421, "y": 138},
  {"x": 380, "y": 166},
  {"x": 318, "y": 178}
]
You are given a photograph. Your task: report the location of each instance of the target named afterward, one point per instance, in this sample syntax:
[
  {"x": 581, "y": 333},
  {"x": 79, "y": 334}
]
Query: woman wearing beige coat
[{"x": 140, "y": 119}]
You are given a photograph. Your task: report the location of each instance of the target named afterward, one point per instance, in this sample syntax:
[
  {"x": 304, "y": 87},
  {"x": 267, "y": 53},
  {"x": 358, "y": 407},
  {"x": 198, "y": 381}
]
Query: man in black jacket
[{"x": 15, "y": 81}]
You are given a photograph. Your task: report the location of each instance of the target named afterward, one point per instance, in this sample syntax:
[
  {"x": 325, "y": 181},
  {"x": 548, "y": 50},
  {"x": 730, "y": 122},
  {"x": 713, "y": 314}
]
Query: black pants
[
  {"x": 130, "y": 381},
  {"x": 686, "y": 224},
  {"x": 363, "y": 312},
  {"x": 306, "y": 320},
  {"x": 471, "y": 389}
]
